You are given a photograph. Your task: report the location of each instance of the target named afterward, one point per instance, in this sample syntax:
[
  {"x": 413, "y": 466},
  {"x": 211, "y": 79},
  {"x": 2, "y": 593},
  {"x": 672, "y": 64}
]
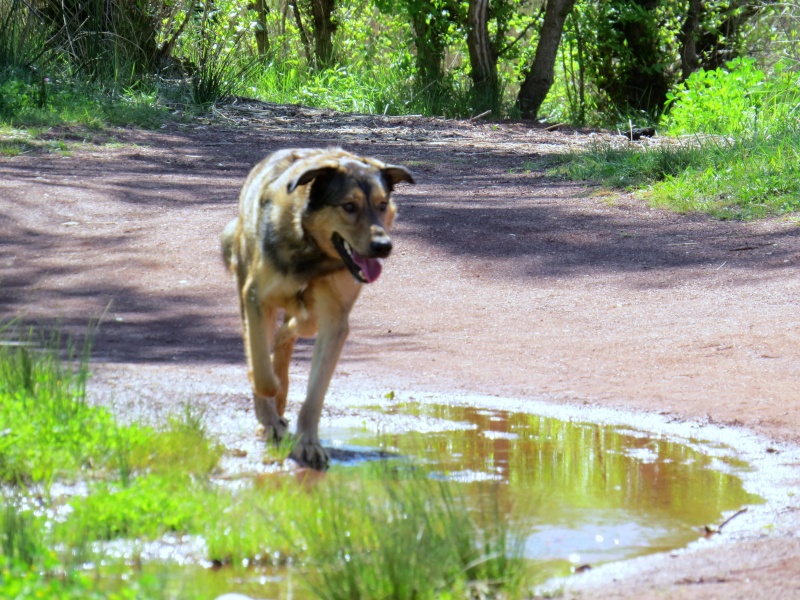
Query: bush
[{"x": 738, "y": 101}]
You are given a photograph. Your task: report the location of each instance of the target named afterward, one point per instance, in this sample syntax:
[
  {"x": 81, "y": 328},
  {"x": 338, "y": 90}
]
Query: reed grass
[{"x": 385, "y": 530}]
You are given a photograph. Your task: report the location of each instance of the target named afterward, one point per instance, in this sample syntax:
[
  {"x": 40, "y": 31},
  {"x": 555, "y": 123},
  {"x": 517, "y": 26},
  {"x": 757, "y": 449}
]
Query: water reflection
[
  {"x": 582, "y": 493},
  {"x": 577, "y": 493}
]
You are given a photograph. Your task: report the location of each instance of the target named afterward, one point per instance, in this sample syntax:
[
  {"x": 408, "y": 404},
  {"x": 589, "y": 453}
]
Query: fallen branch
[
  {"x": 483, "y": 114},
  {"x": 711, "y": 530}
]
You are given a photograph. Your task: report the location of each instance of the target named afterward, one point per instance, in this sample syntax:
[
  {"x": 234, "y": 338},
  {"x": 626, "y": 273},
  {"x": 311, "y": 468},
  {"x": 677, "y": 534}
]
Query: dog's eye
[
  {"x": 349, "y": 207},
  {"x": 383, "y": 206}
]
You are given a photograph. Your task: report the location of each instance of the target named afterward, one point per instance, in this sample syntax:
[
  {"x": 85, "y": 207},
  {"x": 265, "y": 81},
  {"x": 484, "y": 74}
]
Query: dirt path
[{"x": 503, "y": 282}]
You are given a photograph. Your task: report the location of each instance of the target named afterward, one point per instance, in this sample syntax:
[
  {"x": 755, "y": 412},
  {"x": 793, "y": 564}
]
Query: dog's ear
[
  {"x": 310, "y": 175},
  {"x": 393, "y": 174}
]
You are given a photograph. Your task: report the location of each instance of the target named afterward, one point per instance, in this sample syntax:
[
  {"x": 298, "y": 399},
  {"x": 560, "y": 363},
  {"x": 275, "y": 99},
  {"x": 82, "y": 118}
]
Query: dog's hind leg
[
  {"x": 282, "y": 358},
  {"x": 285, "y": 339},
  {"x": 259, "y": 328}
]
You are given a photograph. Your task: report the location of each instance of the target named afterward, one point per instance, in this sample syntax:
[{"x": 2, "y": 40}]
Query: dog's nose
[{"x": 381, "y": 247}]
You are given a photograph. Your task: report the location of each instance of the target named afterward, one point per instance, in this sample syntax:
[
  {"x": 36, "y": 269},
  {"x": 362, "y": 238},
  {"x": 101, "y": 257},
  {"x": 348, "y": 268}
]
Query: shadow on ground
[{"x": 130, "y": 234}]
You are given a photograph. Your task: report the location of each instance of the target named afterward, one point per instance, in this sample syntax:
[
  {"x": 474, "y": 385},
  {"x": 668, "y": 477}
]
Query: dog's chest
[{"x": 292, "y": 295}]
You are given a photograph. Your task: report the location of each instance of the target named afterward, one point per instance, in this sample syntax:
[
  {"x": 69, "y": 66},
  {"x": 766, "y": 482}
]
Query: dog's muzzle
[{"x": 364, "y": 269}]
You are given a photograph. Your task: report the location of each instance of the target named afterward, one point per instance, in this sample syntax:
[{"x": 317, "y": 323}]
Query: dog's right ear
[
  {"x": 394, "y": 174},
  {"x": 310, "y": 175}
]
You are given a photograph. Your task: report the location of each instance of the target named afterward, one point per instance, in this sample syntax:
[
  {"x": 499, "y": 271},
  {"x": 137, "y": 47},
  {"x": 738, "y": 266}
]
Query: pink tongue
[{"x": 370, "y": 267}]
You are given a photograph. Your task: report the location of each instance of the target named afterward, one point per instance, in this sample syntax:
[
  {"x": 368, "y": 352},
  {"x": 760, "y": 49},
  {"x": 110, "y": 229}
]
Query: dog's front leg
[
  {"x": 333, "y": 306},
  {"x": 327, "y": 349},
  {"x": 259, "y": 328}
]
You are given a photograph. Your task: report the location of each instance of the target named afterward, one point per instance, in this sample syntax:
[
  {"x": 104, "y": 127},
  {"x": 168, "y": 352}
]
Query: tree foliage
[{"x": 607, "y": 60}]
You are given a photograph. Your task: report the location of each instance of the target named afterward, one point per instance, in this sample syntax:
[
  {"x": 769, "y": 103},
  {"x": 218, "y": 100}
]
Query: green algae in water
[{"x": 582, "y": 493}]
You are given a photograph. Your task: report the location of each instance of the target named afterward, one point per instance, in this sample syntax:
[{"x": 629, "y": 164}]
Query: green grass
[
  {"x": 36, "y": 114},
  {"x": 357, "y": 88},
  {"x": 374, "y": 531},
  {"x": 741, "y": 161},
  {"x": 404, "y": 536},
  {"x": 16, "y": 142},
  {"x": 50, "y": 431},
  {"x": 628, "y": 167},
  {"x": 48, "y": 428},
  {"x": 31, "y": 568},
  {"x": 40, "y": 102},
  {"x": 752, "y": 178}
]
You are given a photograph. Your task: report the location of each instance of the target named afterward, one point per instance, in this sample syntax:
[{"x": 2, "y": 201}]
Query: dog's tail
[{"x": 226, "y": 240}]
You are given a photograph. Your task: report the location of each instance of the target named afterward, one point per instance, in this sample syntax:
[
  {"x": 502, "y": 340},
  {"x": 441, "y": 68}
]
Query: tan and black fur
[{"x": 313, "y": 225}]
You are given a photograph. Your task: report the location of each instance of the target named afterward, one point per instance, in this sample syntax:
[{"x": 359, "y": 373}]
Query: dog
[{"x": 313, "y": 227}]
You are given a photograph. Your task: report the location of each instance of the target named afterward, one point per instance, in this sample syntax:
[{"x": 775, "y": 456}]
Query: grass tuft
[
  {"x": 404, "y": 537},
  {"x": 751, "y": 178},
  {"x": 49, "y": 428},
  {"x": 628, "y": 167},
  {"x": 20, "y": 540},
  {"x": 376, "y": 531}
]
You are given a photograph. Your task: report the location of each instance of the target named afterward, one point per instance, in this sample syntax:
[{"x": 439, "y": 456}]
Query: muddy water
[{"x": 581, "y": 494}]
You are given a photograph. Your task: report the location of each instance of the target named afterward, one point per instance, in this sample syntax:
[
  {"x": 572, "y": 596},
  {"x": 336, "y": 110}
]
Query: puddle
[
  {"x": 584, "y": 494},
  {"x": 581, "y": 493}
]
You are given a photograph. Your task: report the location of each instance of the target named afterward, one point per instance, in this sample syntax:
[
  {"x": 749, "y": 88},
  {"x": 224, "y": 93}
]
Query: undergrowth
[
  {"x": 749, "y": 179},
  {"x": 32, "y": 100},
  {"x": 375, "y": 531},
  {"x": 404, "y": 536},
  {"x": 628, "y": 167},
  {"x": 738, "y": 156},
  {"x": 351, "y": 89}
]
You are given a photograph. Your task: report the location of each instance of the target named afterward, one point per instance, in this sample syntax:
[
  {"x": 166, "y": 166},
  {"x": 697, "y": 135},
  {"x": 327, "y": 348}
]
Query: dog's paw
[
  {"x": 311, "y": 454},
  {"x": 275, "y": 426},
  {"x": 276, "y": 431}
]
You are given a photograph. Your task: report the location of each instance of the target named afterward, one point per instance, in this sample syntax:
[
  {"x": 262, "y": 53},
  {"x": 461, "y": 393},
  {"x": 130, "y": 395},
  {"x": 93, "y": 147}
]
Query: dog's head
[{"x": 350, "y": 210}]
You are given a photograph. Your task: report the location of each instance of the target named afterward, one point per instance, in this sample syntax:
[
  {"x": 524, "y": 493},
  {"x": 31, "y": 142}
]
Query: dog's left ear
[
  {"x": 393, "y": 174},
  {"x": 309, "y": 175}
]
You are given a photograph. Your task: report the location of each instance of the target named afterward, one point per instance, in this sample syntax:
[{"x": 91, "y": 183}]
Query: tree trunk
[
  {"x": 262, "y": 37},
  {"x": 324, "y": 28},
  {"x": 689, "y": 32},
  {"x": 482, "y": 58},
  {"x": 303, "y": 35},
  {"x": 539, "y": 77}
]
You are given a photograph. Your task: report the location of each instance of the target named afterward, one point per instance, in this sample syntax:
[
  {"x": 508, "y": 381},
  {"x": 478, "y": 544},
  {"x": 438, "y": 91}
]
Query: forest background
[
  {"x": 727, "y": 69},
  {"x": 586, "y": 62}
]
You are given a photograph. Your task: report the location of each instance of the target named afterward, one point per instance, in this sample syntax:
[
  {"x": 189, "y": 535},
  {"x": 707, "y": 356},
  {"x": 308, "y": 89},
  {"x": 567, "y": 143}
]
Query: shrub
[{"x": 738, "y": 101}]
